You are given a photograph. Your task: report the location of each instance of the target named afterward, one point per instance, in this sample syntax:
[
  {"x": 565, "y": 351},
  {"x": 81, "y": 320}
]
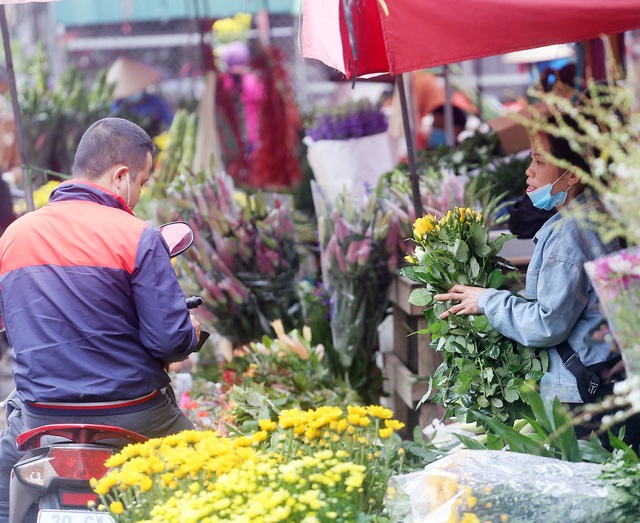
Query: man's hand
[
  {"x": 196, "y": 326},
  {"x": 466, "y": 296}
]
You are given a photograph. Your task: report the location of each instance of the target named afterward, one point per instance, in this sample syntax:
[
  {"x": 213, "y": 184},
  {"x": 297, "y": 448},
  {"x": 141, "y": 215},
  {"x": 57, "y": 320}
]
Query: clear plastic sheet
[{"x": 485, "y": 485}]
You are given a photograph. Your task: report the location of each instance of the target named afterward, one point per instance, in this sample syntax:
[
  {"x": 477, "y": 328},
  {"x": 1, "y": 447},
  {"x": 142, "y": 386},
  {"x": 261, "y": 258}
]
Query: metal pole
[
  {"x": 411, "y": 155},
  {"x": 478, "y": 73},
  {"x": 26, "y": 174},
  {"x": 448, "y": 108}
]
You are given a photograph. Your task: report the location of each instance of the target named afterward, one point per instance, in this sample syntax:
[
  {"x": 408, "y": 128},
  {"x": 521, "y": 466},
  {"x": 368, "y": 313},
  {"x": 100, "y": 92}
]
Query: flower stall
[{"x": 294, "y": 425}]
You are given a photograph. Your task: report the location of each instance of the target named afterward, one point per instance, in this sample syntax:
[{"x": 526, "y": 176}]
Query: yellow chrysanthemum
[
  {"x": 116, "y": 507},
  {"x": 378, "y": 411}
]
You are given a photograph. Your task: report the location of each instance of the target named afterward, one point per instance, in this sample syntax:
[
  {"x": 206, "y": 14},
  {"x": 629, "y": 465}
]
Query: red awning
[{"x": 416, "y": 34}]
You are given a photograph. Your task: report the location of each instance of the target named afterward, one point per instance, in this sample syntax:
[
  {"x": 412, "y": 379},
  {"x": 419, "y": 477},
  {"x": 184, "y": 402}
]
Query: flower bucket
[
  {"x": 616, "y": 280},
  {"x": 352, "y": 165}
]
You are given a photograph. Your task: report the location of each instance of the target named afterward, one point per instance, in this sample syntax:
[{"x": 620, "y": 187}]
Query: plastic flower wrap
[
  {"x": 358, "y": 241},
  {"x": 322, "y": 465},
  {"x": 473, "y": 486},
  {"x": 481, "y": 370},
  {"x": 616, "y": 279}
]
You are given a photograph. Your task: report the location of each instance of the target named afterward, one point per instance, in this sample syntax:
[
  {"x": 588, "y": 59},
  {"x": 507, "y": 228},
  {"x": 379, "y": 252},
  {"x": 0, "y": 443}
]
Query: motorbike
[{"x": 50, "y": 483}]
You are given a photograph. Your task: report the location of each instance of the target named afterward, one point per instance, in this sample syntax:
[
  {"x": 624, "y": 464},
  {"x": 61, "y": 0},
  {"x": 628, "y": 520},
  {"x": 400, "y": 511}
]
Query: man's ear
[{"x": 119, "y": 175}]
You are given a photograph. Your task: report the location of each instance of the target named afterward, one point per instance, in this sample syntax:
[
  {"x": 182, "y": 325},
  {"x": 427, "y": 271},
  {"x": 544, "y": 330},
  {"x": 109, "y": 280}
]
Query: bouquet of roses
[{"x": 482, "y": 370}]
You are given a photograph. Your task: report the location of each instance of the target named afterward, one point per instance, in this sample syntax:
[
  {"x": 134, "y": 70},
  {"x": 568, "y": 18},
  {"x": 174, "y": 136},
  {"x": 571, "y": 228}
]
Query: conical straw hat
[{"x": 130, "y": 76}]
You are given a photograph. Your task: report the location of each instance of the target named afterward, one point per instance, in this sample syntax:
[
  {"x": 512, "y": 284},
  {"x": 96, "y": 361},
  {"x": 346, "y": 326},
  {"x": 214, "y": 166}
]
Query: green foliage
[
  {"x": 547, "y": 430},
  {"x": 55, "y": 116},
  {"x": 474, "y": 152},
  {"x": 622, "y": 476},
  {"x": 505, "y": 177}
]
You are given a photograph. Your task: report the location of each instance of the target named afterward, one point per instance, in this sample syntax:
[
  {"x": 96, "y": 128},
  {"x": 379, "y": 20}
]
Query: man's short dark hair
[
  {"x": 109, "y": 142},
  {"x": 459, "y": 116}
]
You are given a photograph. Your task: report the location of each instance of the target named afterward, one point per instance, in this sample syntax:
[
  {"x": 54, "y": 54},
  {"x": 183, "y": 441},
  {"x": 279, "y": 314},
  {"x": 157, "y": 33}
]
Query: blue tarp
[{"x": 94, "y": 12}]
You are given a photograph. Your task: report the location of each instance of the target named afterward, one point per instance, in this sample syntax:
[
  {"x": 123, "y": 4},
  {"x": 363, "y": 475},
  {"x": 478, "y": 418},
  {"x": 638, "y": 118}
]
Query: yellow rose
[{"x": 423, "y": 226}]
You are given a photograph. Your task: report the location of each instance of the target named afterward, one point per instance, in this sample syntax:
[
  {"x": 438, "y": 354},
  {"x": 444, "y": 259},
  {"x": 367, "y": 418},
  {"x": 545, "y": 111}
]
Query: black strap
[{"x": 587, "y": 381}]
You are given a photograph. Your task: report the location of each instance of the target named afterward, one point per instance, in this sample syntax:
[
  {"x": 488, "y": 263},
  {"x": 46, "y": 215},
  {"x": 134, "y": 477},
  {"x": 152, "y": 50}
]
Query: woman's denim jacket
[{"x": 559, "y": 301}]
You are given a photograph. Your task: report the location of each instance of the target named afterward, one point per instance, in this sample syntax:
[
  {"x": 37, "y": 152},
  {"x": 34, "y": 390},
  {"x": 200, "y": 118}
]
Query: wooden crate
[{"x": 409, "y": 363}]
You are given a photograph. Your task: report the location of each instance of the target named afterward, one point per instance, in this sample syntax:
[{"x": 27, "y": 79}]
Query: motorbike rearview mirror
[{"x": 178, "y": 235}]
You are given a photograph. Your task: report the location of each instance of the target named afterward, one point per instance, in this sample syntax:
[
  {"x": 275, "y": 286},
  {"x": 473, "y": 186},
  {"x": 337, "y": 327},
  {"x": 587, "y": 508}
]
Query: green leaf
[
  {"x": 488, "y": 374},
  {"x": 469, "y": 442},
  {"x": 511, "y": 395},
  {"x": 533, "y": 398},
  {"x": 482, "y": 401},
  {"x": 483, "y": 251},
  {"x": 474, "y": 268},
  {"x": 462, "y": 384},
  {"x": 593, "y": 451},
  {"x": 497, "y": 402},
  {"x": 461, "y": 251},
  {"x": 494, "y": 352},
  {"x": 496, "y": 245},
  {"x": 481, "y": 323},
  {"x": 565, "y": 440},
  {"x": 534, "y": 375},
  {"x": 517, "y": 442},
  {"x": 421, "y": 298},
  {"x": 496, "y": 279},
  {"x": 478, "y": 237}
]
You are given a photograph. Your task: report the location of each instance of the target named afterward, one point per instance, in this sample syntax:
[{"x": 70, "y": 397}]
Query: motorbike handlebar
[{"x": 194, "y": 302}]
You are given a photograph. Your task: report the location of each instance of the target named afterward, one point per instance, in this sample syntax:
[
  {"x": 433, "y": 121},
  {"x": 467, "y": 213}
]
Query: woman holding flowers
[{"x": 559, "y": 303}]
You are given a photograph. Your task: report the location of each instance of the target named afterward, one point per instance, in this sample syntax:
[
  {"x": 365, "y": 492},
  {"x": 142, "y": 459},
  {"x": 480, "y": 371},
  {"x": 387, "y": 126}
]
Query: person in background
[
  {"x": 559, "y": 303},
  {"x": 245, "y": 88},
  {"x": 437, "y": 137},
  {"x": 131, "y": 98},
  {"x": 92, "y": 306}
]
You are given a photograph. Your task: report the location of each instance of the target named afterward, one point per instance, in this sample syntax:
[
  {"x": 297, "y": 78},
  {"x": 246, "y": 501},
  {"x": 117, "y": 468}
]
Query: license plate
[{"x": 73, "y": 516}]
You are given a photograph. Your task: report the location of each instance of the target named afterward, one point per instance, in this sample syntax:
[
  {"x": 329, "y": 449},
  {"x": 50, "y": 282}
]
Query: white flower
[
  {"x": 626, "y": 172},
  {"x": 419, "y": 253}
]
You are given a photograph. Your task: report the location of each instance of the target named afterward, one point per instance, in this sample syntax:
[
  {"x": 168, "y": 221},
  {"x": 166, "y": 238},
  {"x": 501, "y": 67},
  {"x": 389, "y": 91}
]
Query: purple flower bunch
[{"x": 351, "y": 120}]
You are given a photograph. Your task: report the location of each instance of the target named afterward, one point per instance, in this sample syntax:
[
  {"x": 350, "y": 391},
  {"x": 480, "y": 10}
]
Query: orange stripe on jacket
[{"x": 63, "y": 234}]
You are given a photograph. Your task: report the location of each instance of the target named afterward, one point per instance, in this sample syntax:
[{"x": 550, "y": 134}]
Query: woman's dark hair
[
  {"x": 109, "y": 142},
  {"x": 560, "y": 147}
]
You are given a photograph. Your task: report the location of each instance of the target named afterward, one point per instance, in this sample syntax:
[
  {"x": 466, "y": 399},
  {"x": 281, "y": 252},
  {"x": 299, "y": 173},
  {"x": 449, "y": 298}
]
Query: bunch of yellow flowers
[
  {"x": 310, "y": 466},
  {"x": 231, "y": 29}
]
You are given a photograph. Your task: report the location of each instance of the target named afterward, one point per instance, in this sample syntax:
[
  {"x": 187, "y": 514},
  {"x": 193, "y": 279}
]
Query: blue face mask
[
  {"x": 543, "y": 199},
  {"x": 135, "y": 97},
  {"x": 437, "y": 138}
]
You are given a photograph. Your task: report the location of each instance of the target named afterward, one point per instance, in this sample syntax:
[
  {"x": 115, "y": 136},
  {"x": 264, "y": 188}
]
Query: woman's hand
[{"x": 466, "y": 296}]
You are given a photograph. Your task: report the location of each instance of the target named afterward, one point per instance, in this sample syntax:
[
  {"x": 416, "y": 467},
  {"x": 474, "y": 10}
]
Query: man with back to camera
[{"x": 91, "y": 303}]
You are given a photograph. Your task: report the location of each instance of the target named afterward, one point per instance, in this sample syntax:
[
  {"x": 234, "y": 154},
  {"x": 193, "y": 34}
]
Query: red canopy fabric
[{"x": 417, "y": 34}]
